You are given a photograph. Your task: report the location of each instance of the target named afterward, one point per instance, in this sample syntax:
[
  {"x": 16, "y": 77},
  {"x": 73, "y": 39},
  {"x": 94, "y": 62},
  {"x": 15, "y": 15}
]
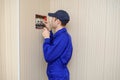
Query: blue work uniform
[{"x": 57, "y": 53}]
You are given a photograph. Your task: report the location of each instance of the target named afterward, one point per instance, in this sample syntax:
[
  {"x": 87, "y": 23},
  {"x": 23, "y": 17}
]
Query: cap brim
[{"x": 51, "y": 14}]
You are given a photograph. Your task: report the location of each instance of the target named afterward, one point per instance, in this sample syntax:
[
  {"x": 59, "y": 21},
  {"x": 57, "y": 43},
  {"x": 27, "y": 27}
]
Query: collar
[{"x": 60, "y": 32}]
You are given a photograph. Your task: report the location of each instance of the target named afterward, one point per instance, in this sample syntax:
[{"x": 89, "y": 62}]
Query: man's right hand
[
  {"x": 47, "y": 24},
  {"x": 46, "y": 33}
]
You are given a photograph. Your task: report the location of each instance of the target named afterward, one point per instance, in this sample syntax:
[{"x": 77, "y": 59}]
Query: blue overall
[{"x": 57, "y": 53}]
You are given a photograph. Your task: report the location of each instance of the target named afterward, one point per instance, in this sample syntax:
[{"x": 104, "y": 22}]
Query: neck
[{"x": 58, "y": 28}]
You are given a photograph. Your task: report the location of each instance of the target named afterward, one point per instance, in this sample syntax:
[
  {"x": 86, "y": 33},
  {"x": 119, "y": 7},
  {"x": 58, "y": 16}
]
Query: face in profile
[{"x": 53, "y": 22}]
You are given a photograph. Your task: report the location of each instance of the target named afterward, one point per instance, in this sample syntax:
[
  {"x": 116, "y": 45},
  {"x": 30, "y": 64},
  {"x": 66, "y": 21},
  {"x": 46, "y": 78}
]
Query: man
[{"x": 57, "y": 47}]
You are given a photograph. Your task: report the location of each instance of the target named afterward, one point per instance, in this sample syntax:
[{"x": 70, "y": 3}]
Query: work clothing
[{"x": 57, "y": 53}]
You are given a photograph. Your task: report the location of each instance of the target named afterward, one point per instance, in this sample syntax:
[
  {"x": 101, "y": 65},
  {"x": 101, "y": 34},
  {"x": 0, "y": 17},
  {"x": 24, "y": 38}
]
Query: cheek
[{"x": 53, "y": 23}]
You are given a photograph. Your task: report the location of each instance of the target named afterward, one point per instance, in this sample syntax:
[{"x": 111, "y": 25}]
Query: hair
[{"x": 63, "y": 24}]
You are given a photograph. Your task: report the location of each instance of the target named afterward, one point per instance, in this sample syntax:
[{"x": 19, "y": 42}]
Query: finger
[
  {"x": 45, "y": 22},
  {"x": 43, "y": 29},
  {"x": 47, "y": 28}
]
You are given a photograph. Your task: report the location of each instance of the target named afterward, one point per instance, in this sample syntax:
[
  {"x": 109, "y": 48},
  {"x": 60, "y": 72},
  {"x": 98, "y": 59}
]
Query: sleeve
[
  {"x": 51, "y": 36},
  {"x": 54, "y": 50}
]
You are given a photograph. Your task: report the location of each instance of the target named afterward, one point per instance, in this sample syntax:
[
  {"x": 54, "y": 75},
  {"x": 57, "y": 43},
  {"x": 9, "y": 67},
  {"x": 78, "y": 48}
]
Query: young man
[{"x": 57, "y": 47}]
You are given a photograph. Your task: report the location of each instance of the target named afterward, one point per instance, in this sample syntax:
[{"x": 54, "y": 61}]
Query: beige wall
[
  {"x": 95, "y": 30},
  {"x": 1, "y": 11},
  {"x": 9, "y": 39},
  {"x": 32, "y": 64}
]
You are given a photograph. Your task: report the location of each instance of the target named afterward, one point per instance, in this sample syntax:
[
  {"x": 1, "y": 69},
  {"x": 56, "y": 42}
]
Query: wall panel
[
  {"x": 9, "y": 39},
  {"x": 95, "y": 31},
  {"x": 32, "y": 64}
]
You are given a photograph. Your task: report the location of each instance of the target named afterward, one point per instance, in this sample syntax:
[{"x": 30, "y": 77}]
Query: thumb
[{"x": 44, "y": 28}]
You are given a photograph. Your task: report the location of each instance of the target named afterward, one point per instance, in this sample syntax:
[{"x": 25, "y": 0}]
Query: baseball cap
[{"x": 62, "y": 15}]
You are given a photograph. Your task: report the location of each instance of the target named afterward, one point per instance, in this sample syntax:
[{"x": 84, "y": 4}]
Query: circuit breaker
[{"x": 39, "y": 21}]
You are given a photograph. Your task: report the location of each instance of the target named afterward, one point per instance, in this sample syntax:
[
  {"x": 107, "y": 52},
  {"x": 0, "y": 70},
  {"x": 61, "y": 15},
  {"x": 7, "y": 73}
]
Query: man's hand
[
  {"x": 46, "y": 33},
  {"x": 47, "y": 24}
]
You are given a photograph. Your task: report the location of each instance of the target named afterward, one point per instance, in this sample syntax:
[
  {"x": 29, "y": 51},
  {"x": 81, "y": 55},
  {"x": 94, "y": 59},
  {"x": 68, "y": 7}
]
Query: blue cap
[{"x": 62, "y": 15}]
